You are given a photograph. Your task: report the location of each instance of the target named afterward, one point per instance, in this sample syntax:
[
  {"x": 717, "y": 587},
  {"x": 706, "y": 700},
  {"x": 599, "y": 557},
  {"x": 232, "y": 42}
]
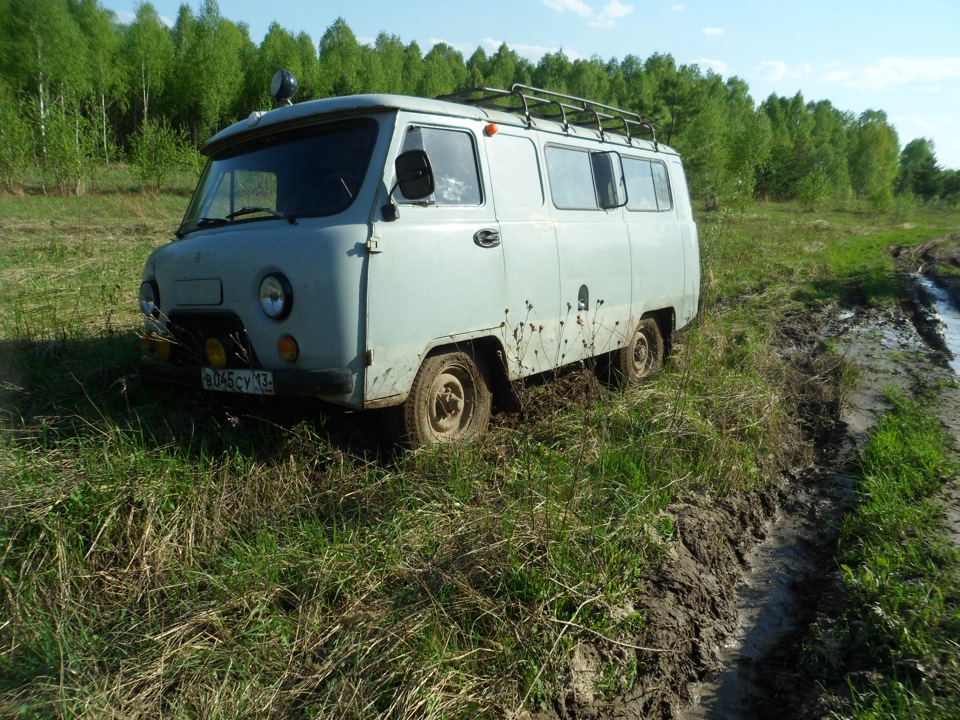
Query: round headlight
[
  {"x": 276, "y": 296},
  {"x": 149, "y": 299}
]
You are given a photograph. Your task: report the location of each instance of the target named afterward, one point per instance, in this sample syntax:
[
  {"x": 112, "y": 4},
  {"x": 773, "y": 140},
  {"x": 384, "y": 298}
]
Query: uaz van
[{"x": 382, "y": 251}]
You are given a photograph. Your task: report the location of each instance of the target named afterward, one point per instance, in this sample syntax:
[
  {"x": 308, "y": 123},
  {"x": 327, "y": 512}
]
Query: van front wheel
[
  {"x": 450, "y": 401},
  {"x": 642, "y": 357}
]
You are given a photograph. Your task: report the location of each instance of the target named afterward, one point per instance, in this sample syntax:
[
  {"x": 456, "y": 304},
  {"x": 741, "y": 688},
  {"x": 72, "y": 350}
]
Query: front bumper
[{"x": 309, "y": 383}]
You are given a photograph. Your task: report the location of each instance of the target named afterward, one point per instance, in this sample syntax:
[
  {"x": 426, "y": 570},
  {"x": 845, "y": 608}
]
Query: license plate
[{"x": 248, "y": 382}]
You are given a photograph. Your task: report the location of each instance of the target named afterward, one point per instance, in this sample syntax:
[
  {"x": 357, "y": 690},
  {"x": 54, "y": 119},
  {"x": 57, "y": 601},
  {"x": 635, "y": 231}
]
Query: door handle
[{"x": 487, "y": 238}]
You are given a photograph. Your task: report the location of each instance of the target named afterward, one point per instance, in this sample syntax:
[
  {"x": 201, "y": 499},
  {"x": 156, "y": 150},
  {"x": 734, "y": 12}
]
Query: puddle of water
[{"x": 949, "y": 317}]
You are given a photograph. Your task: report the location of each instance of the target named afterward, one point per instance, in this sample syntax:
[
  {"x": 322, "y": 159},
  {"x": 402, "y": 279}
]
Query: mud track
[{"x": 740, "y": 612}]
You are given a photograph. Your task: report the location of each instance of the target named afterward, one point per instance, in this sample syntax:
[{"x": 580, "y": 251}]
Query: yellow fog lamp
[
  {"x": 216, "y": 353},
  {"x": 161, "y": 347},
  {"x": 288, "y": 349}
]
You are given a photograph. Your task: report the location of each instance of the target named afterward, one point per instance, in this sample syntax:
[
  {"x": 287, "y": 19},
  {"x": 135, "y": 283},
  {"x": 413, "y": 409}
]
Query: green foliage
[
  {"x": 874, "y": 159},
  {"x": 147, "y": 57},
  {"x": 15, "y": 139},
  {"x": 919, "y": 173},
  {"x": 68, "y": 142},
  {"x": 813, "y": 189},
  {"x": 157, "y": 150}
]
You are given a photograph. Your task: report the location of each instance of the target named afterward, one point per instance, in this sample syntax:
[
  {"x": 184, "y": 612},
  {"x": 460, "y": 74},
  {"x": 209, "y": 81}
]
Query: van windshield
[{"x": 303, "y": 173}]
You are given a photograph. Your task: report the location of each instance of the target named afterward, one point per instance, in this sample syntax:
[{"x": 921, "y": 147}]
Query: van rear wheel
[
  {"x": 450, "y": 400},
  {"x": 642, "y": 357}
]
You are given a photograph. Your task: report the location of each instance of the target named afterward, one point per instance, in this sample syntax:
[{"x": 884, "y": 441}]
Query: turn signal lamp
[
  {"x": 288, "y": 349},
  {"x": 216, "y": 353},
  {"x": 159, "y": 346},
  {"x": 491, "y": 129}
]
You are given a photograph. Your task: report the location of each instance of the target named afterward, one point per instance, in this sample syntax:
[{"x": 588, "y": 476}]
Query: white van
[{"x": 381, "y": 250}]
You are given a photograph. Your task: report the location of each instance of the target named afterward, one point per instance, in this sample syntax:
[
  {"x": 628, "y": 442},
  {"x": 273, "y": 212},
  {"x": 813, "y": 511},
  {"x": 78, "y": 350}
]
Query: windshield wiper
[
  {"x": 202, "y": 222},
  {"x": 246, "y": 210},
  {"x": 251, "y": 209},
  {"x": 205, "y": 221}
]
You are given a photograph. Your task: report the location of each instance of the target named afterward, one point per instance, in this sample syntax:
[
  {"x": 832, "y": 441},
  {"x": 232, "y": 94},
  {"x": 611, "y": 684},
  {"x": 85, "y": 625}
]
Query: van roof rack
[{"x": 535, "y": 103}]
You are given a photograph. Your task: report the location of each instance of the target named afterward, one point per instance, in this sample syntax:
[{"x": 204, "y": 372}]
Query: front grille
[{"x": 190, "y": 331}]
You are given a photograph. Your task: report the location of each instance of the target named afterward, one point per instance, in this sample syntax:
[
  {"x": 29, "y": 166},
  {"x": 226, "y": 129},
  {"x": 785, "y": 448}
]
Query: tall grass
[
  {"x": 904, "y": 571},
  {"x": 175, "y": 555}
]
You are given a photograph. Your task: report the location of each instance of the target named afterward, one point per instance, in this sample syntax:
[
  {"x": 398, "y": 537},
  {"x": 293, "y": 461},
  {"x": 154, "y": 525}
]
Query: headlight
[
  {"x": 276, "y": 296},
  {"x": 150, "y": 299}
]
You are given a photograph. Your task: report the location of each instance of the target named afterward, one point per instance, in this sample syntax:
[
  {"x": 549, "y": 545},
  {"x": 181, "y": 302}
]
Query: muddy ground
[{"x": 740, "y": 616}]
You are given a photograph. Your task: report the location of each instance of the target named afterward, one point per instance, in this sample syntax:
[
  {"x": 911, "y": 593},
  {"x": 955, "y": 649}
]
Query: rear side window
[
  {"x": 571, "y": 179},
  {"x": 454, "y": 160},
  {"x": 584, "y": 180},
  {"x": 648, "y": 185}
]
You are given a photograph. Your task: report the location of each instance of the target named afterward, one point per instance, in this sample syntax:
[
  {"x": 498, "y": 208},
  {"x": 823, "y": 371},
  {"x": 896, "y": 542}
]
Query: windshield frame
[{"x": 318, "y": 171}]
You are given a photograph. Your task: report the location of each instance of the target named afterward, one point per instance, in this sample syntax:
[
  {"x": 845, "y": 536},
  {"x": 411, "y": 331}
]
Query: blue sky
[{"x": 900, "y": 57}]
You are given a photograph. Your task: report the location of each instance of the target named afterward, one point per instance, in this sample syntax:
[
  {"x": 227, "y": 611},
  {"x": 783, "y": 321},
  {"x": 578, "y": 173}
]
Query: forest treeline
[{"x": 81, "y": 90}]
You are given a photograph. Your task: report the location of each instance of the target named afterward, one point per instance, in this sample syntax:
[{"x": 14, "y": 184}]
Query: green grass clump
[{"x": 904, "y": 571}]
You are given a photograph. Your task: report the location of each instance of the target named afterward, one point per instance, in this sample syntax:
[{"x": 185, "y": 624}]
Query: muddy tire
[
  {"x": 450, "y": 401},
  {"x": 642, "y": 357}
]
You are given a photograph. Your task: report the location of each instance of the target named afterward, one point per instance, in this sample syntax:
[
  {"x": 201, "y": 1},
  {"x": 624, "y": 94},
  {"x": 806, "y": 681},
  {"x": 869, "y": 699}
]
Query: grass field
[{"x": 188, "y": 557}]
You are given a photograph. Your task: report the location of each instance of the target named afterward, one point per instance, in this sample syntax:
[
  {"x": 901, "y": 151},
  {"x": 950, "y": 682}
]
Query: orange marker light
[
  {"x": 491, "y": 129},
  {"x": 287, "y": 349}
]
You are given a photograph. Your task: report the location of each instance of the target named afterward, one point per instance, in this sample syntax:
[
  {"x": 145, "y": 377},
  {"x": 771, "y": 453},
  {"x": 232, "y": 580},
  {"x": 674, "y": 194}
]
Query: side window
[
  {"x": 454, "y": 162},
  {"x": 648, "y": 187},
  {"x": 571, "y": 179},
  {"x": 662, "y": 183},
  {"x": 584, "y": 180}
]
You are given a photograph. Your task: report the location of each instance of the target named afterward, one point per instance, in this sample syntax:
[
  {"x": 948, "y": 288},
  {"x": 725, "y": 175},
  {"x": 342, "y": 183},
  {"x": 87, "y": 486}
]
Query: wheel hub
[{"x": 448, "y": 404}]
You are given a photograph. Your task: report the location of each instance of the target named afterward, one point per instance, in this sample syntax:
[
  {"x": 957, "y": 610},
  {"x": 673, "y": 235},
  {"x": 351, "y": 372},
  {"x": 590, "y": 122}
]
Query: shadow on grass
[{"x": 65, "y": 389}]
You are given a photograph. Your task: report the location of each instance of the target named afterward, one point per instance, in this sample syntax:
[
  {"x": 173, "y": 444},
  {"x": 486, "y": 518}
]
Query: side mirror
[{"x": 415, "y": 175}]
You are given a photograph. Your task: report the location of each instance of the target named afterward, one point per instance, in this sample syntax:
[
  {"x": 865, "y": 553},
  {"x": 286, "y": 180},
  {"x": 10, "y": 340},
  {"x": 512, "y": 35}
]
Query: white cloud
[
  {"x": 575, "y": 6},
  {"x": 713, "y": 32},
  {"x": 533, "y": 53},
  {"x": 774, "y": 70},
  {"x": 613, "y": 11},
  {"x": 718, "y": 66},
  {"x": 679, "y": 8},
  {"x": 899, "y": 71}
]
